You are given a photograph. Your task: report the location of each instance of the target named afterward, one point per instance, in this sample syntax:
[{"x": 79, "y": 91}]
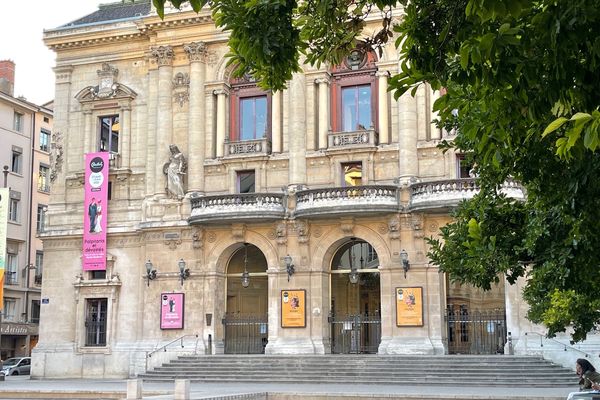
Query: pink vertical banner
[
  {"x": 171, "y": 310},
  {"x": 94, "y": 221}
]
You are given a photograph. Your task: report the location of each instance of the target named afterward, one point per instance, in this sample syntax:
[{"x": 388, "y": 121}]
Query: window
[
  {"x": 246, "y": 181},
  {"x": 250, "y": 111},
  {"x": 41, "y": 218},
  {"x": 11, "y": 269},
  {"x": 98, "y": 274},
  {"x": 109, "y": 133},
  {"x": 13, "y": 212},
  {"x": 356, "y": 108},
  {"x": 352, "y": 174},
  {"x": 10, "y": 305},
  {"x": 44, "y": 179},
  {"x": 35, "y": 311},
  {"x": 39, "y": 267},
  {"x": 464, "y": 167},
  {"x": 46, "y": 119},
  {"x": 44, "y": 140},
  {"x": 17, "y": 160},
  {"x": 18, "y": 122},
  {"x": 95, "y": 322},
  {"x": 253, "y": 117}
]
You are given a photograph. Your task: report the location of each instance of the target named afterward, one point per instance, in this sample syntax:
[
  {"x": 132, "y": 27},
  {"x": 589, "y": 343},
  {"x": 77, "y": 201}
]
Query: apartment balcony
[
  {"x": 247, "y": 148},
  {"x": 366, "y": 138},
  {"x": 347, "y": 201},
  {"x": 446, "y": 194},
  {"x": 237, "y": 207}
]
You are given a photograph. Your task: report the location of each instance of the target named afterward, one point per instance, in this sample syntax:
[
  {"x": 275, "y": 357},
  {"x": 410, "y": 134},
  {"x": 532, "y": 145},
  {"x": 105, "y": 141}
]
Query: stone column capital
[
  {"x": 382, "y": 74},
  {"x": 196, "y": 51},
  {"x": 163, "y": 55},
  {"x": 220, "y": 92}
]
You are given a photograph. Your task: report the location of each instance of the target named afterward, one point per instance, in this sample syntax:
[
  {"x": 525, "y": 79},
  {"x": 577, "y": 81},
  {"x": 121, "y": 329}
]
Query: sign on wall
[
  {"x": 409, "y": 306},
  {"x": 94, "y": 221},
  {"x": 4, "y": 194},
  {"x": 171, "y": 310},
  {"x": 293, "y": 308}
]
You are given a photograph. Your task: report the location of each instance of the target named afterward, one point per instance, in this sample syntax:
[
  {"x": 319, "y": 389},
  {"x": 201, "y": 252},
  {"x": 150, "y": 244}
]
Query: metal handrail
[
  {"x": 542, "y": 337},
  {"x": 164, "y": 348}
]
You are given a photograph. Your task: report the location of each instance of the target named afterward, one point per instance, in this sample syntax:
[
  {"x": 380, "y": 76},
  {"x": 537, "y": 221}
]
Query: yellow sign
[
  {"x": 409, "y": 306},
  {"x": 293, "y": 308},
  {"x": 4, "y": 195}
]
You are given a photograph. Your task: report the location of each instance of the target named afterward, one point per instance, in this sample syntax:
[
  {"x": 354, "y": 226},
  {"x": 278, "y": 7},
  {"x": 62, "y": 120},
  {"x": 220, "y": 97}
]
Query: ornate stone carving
[
  {"x": 394, "y": 227},
  {"x": 172, "y": 239},
  {"x": 175, "y": 170},
  {"x": 433, "y": 227},
  {"x": 196, "y": 51},
  {"x": 181, "y": 88},
  {"x": 197, "y": 236},
  {"x": 302, "y": 229},
  {"x": 107, "y": 86},
  {"x": 281, "y": 233},
  {"x": 211, "y": 237},
  {"x": 347, "y": 226},
  {"x": 163, "y": 55},
  {"x": 318, "y": 232},
  {"x": 238, "y": 232},
  {"x": 56, "y": 155}
]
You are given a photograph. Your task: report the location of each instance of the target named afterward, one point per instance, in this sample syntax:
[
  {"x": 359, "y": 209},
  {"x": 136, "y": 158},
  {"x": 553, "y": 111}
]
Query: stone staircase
[{"x": 459, "y": 370}]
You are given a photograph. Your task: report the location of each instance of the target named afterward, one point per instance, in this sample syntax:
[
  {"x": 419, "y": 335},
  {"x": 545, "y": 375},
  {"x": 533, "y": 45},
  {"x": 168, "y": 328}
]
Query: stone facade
[{"x": 168, "y": 83}]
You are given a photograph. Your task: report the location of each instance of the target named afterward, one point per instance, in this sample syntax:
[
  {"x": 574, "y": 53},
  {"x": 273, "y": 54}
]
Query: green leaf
[{"x": 554, "y": 125}]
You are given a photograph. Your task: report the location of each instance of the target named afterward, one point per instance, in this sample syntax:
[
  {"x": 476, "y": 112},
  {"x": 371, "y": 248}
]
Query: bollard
[
  {"x": 182, "y": 389},
  {"x": 134, "y": 389}
]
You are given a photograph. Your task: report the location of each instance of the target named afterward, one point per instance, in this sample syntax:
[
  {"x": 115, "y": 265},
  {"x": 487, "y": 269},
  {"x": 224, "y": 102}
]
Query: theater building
[{"x": 291, "y": 222}]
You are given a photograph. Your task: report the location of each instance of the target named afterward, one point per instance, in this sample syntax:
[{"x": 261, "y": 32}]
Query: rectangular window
[
  {"x": 356, "y": 108},
  {"x": 39, "y": 267},
  {"x": 44, "y": 179},
  {"x": 17, "y": 160},
  {"x": 253, "y": 118},
  {"x": 352, "y": 174},
  {"x": 46, "y": 119},
  {"x": 10, "y": 306},
  {"x": 41, "y": 218},
  {"x": 246, "y": 181},
  {"x": 18, "y": 122},
  {"x": 109, "y": 133},
  {"x": 95, "y": 322},
  {"x": 44, "y": 140},
  {"x": 97, "y": 274},
  {"x": 10, "y": 275},
  {"x": 35, "y": 311},
  {"x": 14, "y": 212},
  {"x": 464, "y": 167}
]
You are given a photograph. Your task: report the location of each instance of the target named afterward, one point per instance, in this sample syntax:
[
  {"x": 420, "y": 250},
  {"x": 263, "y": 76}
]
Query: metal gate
[
  {"x": 245, "y": 334},
  {"x": 355, "y": 334},
  {"x": 476, "y": 332}
]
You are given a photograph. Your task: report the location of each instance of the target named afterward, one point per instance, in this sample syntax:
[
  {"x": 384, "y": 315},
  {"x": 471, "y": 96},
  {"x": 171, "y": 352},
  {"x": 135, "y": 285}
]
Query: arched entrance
[
  {"x": 245, "y": 322},
  {"x": 355, "y": 319}
]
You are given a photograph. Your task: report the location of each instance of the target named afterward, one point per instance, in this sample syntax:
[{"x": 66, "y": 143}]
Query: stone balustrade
[
  {"x": 237, "y": 207},
  {"x": 350, "y": 200},
  {"x": 245, "y": 148},
  {"x": 345, "y": 140}
]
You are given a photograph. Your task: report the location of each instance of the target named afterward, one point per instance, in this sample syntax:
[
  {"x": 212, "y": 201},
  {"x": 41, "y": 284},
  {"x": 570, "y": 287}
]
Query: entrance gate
[
  {"x": 245, "y": 334},
  {"x": 475, "y": 332},
  {"x": 355, "y": 334}
]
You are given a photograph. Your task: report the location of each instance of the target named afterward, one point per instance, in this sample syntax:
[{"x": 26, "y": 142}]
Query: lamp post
[
  {"x": 184, "y": 272},
  {"x": 150, "y": 272},
  {"x": 405, "y": 262},
  {"x": 5, "y": 172},
  {"x": 245, "y": 274},
  {"x": 289, "y": 267}
]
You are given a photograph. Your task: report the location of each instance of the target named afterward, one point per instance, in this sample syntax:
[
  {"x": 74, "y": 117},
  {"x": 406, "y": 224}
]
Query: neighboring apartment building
[
  {"x": 302, "y": 214},
  {"x": 25, "y": 131}
]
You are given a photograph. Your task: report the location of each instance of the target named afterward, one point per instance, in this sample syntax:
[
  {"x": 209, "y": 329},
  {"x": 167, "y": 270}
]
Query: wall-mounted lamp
[
  {"x": 353, "y": 275},
  {"x": 245, "y": 274},
  {"x": 405, "y": 262},
  {"x": 150, "y": 272},
  {"x": 184, "y": 272},
  {"x": 289, "y": 267}
]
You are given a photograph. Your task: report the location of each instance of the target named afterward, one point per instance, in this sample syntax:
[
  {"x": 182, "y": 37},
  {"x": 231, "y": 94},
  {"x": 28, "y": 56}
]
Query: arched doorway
[
  {"x": 355, "y": 319},
  {"x": 245, "y": 322}
]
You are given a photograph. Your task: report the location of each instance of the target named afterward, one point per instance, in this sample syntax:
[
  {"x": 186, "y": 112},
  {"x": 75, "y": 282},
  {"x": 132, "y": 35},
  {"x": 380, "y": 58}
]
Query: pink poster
[
  {"x": 171, "y": 310},
  {"x": 94, "y": 221}
]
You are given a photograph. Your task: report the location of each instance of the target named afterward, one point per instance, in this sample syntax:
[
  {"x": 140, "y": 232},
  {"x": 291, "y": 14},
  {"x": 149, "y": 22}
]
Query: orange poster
[
  {"x": 293, "y": 308},
  {"x": 409, "y": 306}
]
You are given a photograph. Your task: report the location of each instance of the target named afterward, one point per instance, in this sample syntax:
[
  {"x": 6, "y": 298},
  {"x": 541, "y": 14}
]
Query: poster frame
[
  {"x": 301, "y": 293},
  {"x": 400, "y": 304},
  {"x": 179, "y": 296}
]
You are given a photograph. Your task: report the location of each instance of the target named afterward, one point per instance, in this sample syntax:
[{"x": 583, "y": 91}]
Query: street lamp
[
  {"x": 150, "y": 272},
  {"x": 184, "y": 272},
  {"x": 5, "y": 172},
  {"x": 245, "y": 274},
  {"x": 405, "y": 262},
  {"x": 289, "y": 267}
]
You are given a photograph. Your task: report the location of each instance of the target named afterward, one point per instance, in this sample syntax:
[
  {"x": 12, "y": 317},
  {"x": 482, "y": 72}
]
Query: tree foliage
[{"x": 521, "y": 85}]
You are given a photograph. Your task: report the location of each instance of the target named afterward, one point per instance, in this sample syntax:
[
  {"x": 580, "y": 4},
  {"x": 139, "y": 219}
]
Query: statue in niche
[{"x": 175, "y": 169}]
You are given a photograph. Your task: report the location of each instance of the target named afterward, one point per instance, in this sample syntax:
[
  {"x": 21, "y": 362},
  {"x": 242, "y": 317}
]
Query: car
[{"x": 16, "y": 366}]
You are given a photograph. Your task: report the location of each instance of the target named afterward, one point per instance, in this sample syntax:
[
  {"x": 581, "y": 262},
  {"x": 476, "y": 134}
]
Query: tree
[{"x": 521, "y": 86}]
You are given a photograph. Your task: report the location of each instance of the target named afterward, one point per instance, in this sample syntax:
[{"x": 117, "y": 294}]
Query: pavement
[{"x": 22, "y": 387}]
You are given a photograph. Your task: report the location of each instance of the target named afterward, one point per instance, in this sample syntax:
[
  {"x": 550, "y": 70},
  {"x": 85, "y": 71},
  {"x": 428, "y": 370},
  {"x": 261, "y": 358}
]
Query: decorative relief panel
[
  {"x": 56, "y": 155},
  {"x": 181, "y": 88},
  {"x": 107, "y": 88}
]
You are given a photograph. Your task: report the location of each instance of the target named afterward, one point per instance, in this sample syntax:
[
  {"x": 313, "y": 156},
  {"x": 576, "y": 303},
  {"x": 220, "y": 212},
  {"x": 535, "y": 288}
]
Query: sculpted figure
[{"x": 175, "y": 169}]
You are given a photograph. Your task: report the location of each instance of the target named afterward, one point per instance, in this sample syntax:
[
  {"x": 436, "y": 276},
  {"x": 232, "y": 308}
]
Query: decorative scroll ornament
[
  {"x": 163, "y": 55},
  {"x": 181, "y": 88},
  {"x": 107, "y": 86},
  {"x": 56, "y": 155},
  {"x": 196, "y": 51}
]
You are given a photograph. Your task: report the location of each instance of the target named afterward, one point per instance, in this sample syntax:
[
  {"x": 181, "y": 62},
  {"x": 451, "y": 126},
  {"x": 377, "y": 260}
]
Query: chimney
[{"x": 7, "y": 77}]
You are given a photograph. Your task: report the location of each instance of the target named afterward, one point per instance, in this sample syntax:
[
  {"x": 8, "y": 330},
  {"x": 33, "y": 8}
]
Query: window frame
[
  {"x": 44, "y": 144},
  {"x": 14, "y": 210},
  {"x": 10, "y": 304},
  {"x": 44, "y": 178},
  {"x": 11, "y": 275},
  {"x": 16, "y": 163},
  {"x": 239, "y": 175},
  {"x": 39, "y": 262},
  {"x": 40, "y": 218},
  {"x": 115, "y": 119},
  {"x": 96, "y": 331},
  {"x": 461, "y": 158},
  {"x": 241, "y": 90},
  {"x": 18, "y": 121}
]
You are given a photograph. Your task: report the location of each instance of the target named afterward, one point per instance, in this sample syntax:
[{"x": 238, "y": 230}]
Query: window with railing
[
  {"x": 44, "y": 179},
  {"x": 45, "y": 140},
  {"x": 41, "y": 218},
  {"x": 35, "y": 311},
  {"x": 10, "y": 306},
  {"x": 95, "y": 322},
  {"x": 10, "y": 275}
]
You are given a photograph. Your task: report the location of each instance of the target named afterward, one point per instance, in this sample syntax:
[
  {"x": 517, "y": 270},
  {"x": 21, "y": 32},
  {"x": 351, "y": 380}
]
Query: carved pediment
[{"x": 107, "y": 88}]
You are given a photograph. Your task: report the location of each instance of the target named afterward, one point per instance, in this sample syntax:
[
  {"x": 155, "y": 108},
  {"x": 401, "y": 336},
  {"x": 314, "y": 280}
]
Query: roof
[{"x": 114, "y": 11}]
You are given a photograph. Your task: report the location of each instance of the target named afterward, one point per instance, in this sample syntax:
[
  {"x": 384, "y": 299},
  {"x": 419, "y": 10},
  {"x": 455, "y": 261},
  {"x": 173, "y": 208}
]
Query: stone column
[
  {"x": 88, "y": 135},
  {"x": 276, "y": 122},
  {"x": 323, "y": 111},
  {"x": 197, "y": 129},
  {"x": 125, "y": 136},
  {"x": 436, "y": 133},
  {"x": 164, "y": 113},
  {"x": 407, "y": 113},
  {"x": 221, "y": 120},
  {"x": 297, "y": 129},
  {"x": 151, "y": 132},
  {"x": 383, "y": 107}
]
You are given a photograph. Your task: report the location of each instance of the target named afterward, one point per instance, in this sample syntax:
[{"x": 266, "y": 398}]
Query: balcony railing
[
  {"x": 368, "y": 199},
  {"x": 10, "y": 278},
  {"x": 448, "y": 193},
  {"x": 43, "y": 183},
  {"x": 345, "y": 140},
  {"x": 245, "y": 148},
  {"x": 38, "y": 279},
  {"x": 237, "y": 207}
]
